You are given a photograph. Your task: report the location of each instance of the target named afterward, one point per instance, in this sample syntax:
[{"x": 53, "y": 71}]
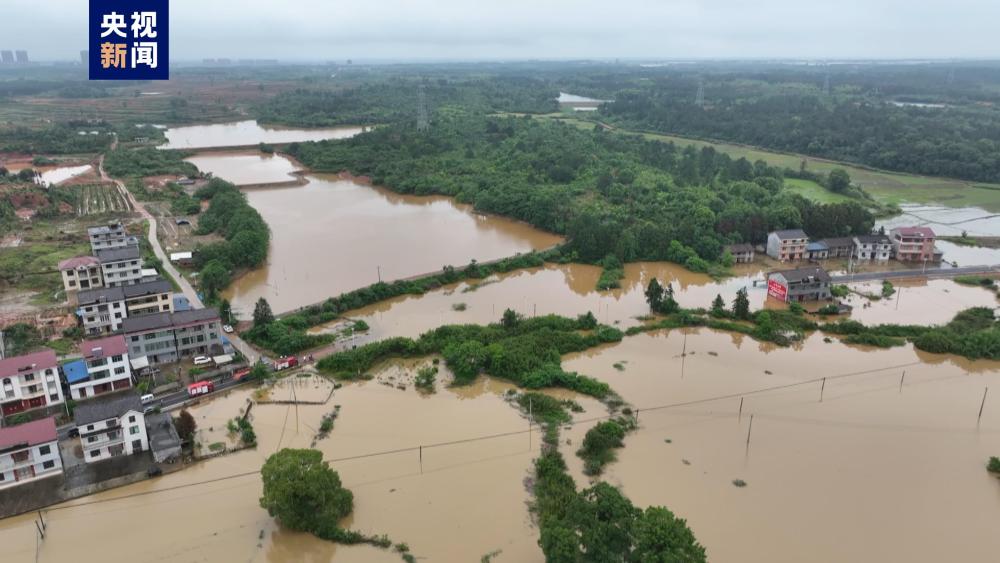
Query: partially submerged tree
[
  {"x": 185, "y": 425},
  {"x": 262, "y": 315},
  {"x": 302, "y": 493}
]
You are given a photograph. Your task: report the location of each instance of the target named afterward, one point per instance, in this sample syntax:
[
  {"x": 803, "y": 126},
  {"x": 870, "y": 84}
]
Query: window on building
[
  {"x": 137, "y": 445},
  {"x": 117, "y": 358},
  {"x": 133, "y": 430},
  {"x": 131, "y": 418},
  {"x": 135, "y": 339},
  {"x": 53, "y": 397},
  {"x": 119, "y": 370},
  {"x": 90, "y": 427},
  {"x": 45, "y": 450},
  {"x": 48, "y": 464},
  {"x": 95, "y": 453}
]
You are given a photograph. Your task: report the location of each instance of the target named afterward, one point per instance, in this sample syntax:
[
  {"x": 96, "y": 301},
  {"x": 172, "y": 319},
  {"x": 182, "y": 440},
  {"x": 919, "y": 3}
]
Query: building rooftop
[
  {"x": 737, "y": 248},
  {"x": 817, "y": 245},
  {"x": 103, "y": 347},
  {"x": 105, "y": 229},
  {"x": 161, "y": 432},
  {"x": 158, "y": 321},
  {"x": 28, "y": 434},
  {"x": 28, "y": 362},
  {"x": 151, "y": 287},
  {"x": 838, "y": 241},
  {"x": 790, "y": 234},
  {"x": 78, "y": 262},
  {"x": 103, "y": 407},
  {"x": 99, "y": 295},
  {"x": 75, "y": 371},
  {"x": 117, "y": 254},
  {"x": 174, "y": 256},
  {"x": 926, "y": 232},
  {"x": 870, "y": 239},
  {"x": 814, "y": 273}
]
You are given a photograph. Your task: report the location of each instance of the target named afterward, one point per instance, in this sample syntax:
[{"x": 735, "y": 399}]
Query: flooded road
[
  {"x": 464, "y": 501},
  {"x": 334, "y": 235},
  {"x": 864, "y": 475},
  {"x": 242, "y": 133},
  {"x": 245, "y": 167}
]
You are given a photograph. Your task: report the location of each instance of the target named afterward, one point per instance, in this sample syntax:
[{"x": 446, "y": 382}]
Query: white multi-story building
[
  {"x": 29, "y": 382},
  {"x": 102, "y": 310},
  {"x": 872, "y": 247},
  {"x": 104, "y": 368},
  {"x": 120, "y": 266},
  {"x": 111, "y": 425},
  {"x": 81, "y": 273},
  {"x": 29, "y": 451},
  {"x": 109, "y": 236}
]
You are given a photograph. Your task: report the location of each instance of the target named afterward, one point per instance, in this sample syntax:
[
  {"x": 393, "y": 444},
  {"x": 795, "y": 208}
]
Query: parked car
[
  {"x": 227, "y": 328},
  {"x": 202, "y": 360},
  {"x": 146, "y": 399}
]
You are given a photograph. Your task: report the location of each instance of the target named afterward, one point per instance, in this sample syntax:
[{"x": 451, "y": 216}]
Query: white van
[
  {"x": 146, "y": 399},
  {"x": 201, "y": 360}
]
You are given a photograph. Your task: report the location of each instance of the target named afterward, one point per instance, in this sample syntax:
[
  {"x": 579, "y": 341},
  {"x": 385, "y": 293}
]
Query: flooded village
[{"x": 816, "y": 425}]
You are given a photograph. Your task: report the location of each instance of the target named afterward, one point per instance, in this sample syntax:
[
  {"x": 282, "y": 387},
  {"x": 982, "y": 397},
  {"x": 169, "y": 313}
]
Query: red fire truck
[{"x": 200, "y": 388}]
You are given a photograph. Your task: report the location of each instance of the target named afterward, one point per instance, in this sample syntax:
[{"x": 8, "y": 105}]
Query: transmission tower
[
  {"x": 422, "y": 121},
  {"x": 699, "y": 98},
  {"x": 826, "y": 85}
]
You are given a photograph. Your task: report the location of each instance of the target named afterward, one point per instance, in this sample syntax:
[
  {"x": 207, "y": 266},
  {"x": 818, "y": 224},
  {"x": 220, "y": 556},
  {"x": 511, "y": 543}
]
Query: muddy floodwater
[
  {"x": 243, "y": 133},
  {"x": 333, "y": 235},
  {"x": 871, "y": 473},
  {"x": 464, "y": 501},
  {"x": 570, "y": 289},
  {"x": 245, "y": 167}
]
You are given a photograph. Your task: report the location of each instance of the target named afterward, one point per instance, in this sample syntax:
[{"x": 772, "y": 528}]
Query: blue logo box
[{"x": 129, "y": 40}]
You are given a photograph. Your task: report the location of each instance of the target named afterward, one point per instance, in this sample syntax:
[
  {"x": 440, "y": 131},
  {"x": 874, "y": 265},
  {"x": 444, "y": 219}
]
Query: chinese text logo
[{"x": 128, "y": 40}]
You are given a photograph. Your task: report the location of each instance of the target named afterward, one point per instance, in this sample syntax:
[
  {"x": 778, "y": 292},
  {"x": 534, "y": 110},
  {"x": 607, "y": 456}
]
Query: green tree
[
  {"x": 741, "y": 305},
  {"x": 661, "y": 537},
  {"x": 669, "y": 304},
  {"x": 604, "y": 518},
  {"x": 262, "y": 315},
  {"x": 214, "y": 277},
  {"x": 510, "y": 318},
  {"x": 302, "y": 493},
  {"x": 654, "y": 295},
  {"x": 718, "y": 306},
  {"x": 185, "y": 425},
  {"x": 226, "y": 311},
  {"x": 839, "y": 180}
]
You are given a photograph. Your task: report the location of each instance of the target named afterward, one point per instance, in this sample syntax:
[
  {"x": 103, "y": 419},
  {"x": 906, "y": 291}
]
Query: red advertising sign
[{"x": 777, "y": 290}]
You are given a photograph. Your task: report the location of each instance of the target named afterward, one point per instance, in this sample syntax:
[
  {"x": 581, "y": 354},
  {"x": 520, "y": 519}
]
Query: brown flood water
[
  {"x": 249, "y": 132},
  {"x": 333, "y": 235},
  {"x": 467, "y": 500},
  {"x": 869, "y": 474},
  {"x": 244, "y": 167},
  {"x": 569, "y": 289}
]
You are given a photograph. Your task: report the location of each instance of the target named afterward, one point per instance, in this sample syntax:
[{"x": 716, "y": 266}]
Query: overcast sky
[{"x": 322, "y": 30}]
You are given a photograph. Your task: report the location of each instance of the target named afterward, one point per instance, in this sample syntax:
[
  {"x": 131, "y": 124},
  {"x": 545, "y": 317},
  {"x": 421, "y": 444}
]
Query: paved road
[
  {"x": 928, "y": 273},
  {"x": 248, "y": 351}
]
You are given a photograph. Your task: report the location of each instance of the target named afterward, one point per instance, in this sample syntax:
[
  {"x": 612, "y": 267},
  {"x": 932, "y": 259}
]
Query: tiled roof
[
  {"x": 78, "y": 262},
  {"x": 103, "y": 407},
  {"x": 29, "y": 434},
  {"x": 34, "y": 362},
  {"x": 151, "y": 287},
  {"x": 915, "y": 231},
  {"x": 103, "y": 347},
  {"x": 791, "y": 233},
  {"x": 105, "y": 229},
  {"x": 803, "y": 274},
  {"x": 100, "y": 295},
  {"x": 167, "y": 320},
  {"x": 872, "y": 239},
  {"x": 117, "y": 254}
]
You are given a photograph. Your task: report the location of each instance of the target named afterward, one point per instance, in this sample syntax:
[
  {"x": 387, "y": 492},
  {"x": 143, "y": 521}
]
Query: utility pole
[
  {"x": 699, "y": 97},
  {"x": 378, "y": 270},
  {"x": 684, "y": 354},
  {"x": 529, "y": 423},
  {"x": 2, "y": 350},
  {"x": 981, "y": 405}
]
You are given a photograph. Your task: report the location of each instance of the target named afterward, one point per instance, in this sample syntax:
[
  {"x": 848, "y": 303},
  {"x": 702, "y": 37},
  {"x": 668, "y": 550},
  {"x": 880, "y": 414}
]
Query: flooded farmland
[
  {"x": 878, "y": 465},
  {"x": 249, "y": 132},
  {"x": 335, "y": 234}
]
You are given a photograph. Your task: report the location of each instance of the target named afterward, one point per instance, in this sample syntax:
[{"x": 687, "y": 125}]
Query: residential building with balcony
[
  {"x": 120, "y": 266},
  {"x": 872, "y": 247},
  {"x": 742, "y": 253},
  {"x": 104, "y": 368},
  {"x": 839, "y": 247},
  {"x": 81, "y": 273},
  {"x": 28, "y": 382},
  {"x": 801, "y": 284},
  {"x": 913, "y": 244},
  {"x": 149, "y": 296},
  {"x": 101, "y": 310},
  {"x": 787, "y": 245},
  {"x": 169, "y": 337},
  {"x": 111, "y": 425},
  {"x": 29, "y": 451},
  {"x": 106, "y": 237}
]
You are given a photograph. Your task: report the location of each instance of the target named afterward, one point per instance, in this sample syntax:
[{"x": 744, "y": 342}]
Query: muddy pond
[{"x": 245, "y": 133}]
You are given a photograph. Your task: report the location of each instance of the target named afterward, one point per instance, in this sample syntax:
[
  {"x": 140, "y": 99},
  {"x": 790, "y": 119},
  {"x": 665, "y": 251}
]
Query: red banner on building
[{"x": 777, "y": 290}]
